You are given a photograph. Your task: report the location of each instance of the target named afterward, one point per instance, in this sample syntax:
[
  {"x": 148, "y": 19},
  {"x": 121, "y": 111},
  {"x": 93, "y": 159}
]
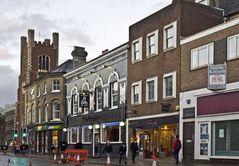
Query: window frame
[
  {"x": 235, "y": 39},
  {"x": 38, "y": 91},
  {"x": 210, "y": 58},
  {"x": 139, "y": 83},
  {"x": 172, "y": 25},
  {"x": 133, "y": 59},
  {"x": 70, "y": 135},
  {"x": 56, "y": 111},
  {"x": 56, "y": 85},
  {"x": 155, "y": 79},
  {"x": 112, "y": 106},
  {"x": 148, "y": 45},
  {"x": 173, "y": 74},
  {"x": 44, "y": 88},
  {"x": 102, "y": 134},
  {"x": 83, "y": 134},
  {"x": 97, "y": 99}
]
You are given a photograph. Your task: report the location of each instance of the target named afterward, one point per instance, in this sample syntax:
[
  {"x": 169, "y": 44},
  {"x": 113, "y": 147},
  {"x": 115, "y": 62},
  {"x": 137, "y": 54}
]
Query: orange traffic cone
[
  {"x": 108, "y": 161},
  {"x": 30, "y": 163},
  {"x": 154, "y": 161}
]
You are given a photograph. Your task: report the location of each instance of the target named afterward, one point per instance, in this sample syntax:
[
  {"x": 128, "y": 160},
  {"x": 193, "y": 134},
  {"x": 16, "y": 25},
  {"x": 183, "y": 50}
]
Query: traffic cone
[
  {"x": 30, "y": 163},
  {"x": 108, "y": 161},
  {"x": 63, "y": 158},
  {"x": 154, "y": 161},
  {"x": 77, "y": 160},
  {"x": 54, "y": 158}
]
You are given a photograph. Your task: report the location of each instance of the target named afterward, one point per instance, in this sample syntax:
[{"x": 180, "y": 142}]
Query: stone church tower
[{"x": 37, "y": 58}]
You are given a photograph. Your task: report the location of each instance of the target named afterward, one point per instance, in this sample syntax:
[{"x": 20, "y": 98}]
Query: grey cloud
[
  {"x": 5, "y": 54},
  {"x": 8, "y": 85}
]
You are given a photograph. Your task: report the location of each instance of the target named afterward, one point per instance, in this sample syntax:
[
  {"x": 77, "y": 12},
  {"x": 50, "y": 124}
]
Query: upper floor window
[
  {"x": 85, "y": 89},
  {"x": 169, "y": 85},
  {"x": 137, "y": 50},
  {"x": 45, "y": 112},
  {"x": 233, "y": 47},
  {"x": 170, "y": 36},
  {"x": 39, "y": 114},
  {"x": 202, "y": 56},
  {"x": 136, "y": 93},
  {"x": 43, "y": 63},
  {"x": 98, "y": 96},
  {"x": 56, "y": 110},
  {"x": 56, "y": 85},
  {"x": 38, "y": 90},
  {"x": 152, "y": 43},
  {"x": 27, "y": 96},
  {"x": 44, "y": 88},
  {"x": 74, "y": 102},
  {"x": 152, "y": 89},
  {"x": 114, "y": 91}
]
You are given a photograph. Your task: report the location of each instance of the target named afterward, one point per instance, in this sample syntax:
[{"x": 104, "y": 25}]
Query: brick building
[
  {"x": 37, "y": 58},
  {"x": 209, "y": 92},
  {"x": 154, "y": 73}
]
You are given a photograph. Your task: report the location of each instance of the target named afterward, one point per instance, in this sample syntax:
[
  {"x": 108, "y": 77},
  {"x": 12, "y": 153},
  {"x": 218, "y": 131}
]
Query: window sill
[
  {"x": 135, "y": 104},
  {"x": 169, "y": 98},
  {"x": 86, "y": 143},
  {"x": 169, "y": 49},
  {"x": 55, "y": 91},
  {"x": 98, "y": 110},
  {"x": 136, "y": 61},
  {"x": 151, "y": 55},
  {"x": 151, "y": 101},
  {"x": 233, "y": 58},
  {"x": 55, "y": 120},
  {"x": 44, "y": 93},
  {"x": 199, "y": 67}
]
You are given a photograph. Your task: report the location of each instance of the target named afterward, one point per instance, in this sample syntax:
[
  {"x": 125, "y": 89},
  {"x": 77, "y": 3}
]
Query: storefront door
[
  {"x": 96, "y": 141},
  {"x": 204, "y": 140},
  {"x": 188, "y": 141}
]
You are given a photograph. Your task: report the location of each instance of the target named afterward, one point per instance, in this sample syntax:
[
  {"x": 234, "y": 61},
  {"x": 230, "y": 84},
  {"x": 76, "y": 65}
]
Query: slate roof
[
  {"x": 229, "y": 6},
  {"x": 64, "y": 67}
]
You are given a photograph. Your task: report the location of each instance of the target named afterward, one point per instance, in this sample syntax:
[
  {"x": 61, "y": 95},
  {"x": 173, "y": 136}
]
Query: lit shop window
[{"x": 111, "y": 132}]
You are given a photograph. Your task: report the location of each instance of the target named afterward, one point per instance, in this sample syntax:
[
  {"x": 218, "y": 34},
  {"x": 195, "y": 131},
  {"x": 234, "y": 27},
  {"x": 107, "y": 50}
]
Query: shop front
[
  {"x": 42, "y": 136},
  {"x": 155, "y": 136},
  {"x": 96, "y": 129}
]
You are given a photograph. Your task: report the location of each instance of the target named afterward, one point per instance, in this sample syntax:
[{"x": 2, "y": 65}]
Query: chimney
[{"x": 79, "y": 56}]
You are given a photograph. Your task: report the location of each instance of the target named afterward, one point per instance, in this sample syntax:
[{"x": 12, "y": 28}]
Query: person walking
[
  {"x": 134, "y": 148},
  {"x": 122, "y": 152},
  {"x": 176, "y": 148},
  {"x": 108, "y": 149}
]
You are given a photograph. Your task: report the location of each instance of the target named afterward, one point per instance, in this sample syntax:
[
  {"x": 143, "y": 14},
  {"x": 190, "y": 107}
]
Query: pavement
[{"x": 115, "y": 161}]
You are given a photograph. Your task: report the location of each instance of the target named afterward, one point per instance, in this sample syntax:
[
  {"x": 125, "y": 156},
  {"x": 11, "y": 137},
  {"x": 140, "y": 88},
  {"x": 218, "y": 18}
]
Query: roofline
[
  {"x": 94, "y": 61},
  {"x": 209, "y": 31}
]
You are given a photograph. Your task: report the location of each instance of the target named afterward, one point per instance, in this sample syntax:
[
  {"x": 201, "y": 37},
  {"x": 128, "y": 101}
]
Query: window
[
  {"x": 74, "y": 102},
  {"x": 56, "y": 85},
  {"x": 137, "y": 50},
  {"x": 225, "y": 138},
  {"x": 170, "y": 36},
  {"x": 202, "y": 56},
  {"x": 56, "y": 110},
  {"x": 45, "y": 114},
  {"x": 85, "y": 89},
  {"x": 152, "y": 89},
  {"x": 73, "y": 135},
  {"x": 136, "y": 93},
  {"x": 169, "y": 85},
  {"x": 43, "y": 63},
  {"x": 86, "y": 134},
  {"x": 98, "y": 95},
  {"x": 111, "y": 132},
  {"x": 38, "y": 91},
  {"x": 114, "y": 91},
  {"x": 27, "y": 96},
  {"x": 39, "y": 115},
  {"x": 152, "y": 43},
  {"x": 233, "y": 47},
  {"x": 44, "y": 88}
]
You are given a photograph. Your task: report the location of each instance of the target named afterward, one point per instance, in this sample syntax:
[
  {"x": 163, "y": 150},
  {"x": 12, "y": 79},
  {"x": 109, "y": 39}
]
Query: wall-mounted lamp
[
  {"x": 188, "y": 101},
  {"x": 64, "y": 129},
  {"x": 90, "y": 127},
  {"x": 122, "y": 124},
  {"x": 97, "y": 126}
]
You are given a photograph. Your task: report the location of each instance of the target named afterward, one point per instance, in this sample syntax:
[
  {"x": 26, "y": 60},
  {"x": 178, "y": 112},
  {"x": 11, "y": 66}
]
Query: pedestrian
[
  {"x": 108, "y": 149},
  {"x": 176, "y": 148},
  {"x": 53, "y": 149},
  {"x": 122, "y": 152},
  {"x": 134, "y": 148}
]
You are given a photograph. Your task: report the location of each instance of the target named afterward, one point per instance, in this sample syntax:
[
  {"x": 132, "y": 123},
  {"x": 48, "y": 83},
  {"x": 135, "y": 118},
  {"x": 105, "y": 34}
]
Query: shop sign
[
  {"x": 217, "y": 77},
  {"x": 84, "y": 100},
  {"x": 54, "y": 127}
]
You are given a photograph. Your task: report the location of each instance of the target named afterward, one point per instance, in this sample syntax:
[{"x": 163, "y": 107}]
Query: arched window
[
  {"x": 39, "y": 114},
  {"x": 74, "y": 102},
  {"x": 85, "y": 90},
  {"x": 113, "y": 91},
  {"x": 43, "y": 63},
  {"x": 45, "y": 112},
  {"x": 98, "y": 95},
  {"x": 33, "y": 114},
  {"x": 56, "y": 110}
]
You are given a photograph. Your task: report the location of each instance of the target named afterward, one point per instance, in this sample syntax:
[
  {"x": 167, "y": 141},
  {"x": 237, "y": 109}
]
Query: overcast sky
[{"x": 93, "y": 24}]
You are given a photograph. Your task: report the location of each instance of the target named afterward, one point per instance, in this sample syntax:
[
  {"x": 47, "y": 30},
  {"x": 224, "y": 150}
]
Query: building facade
[
  {"x": 154, "y": 73},
  {"x": 96, "y": 97},
  {"x": 209, "y": 92},
  {"x": 37, "y": 58}
]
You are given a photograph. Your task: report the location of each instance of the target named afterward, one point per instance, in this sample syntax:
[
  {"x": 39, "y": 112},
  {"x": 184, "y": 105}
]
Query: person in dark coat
[
  {"x": 122, "y": 152},
  {"x": 134, "y": 148},
  {"x": 176, "y": 148},
  {"x": 63, "y": 146},
  {"x": 108, "y": 148}
]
